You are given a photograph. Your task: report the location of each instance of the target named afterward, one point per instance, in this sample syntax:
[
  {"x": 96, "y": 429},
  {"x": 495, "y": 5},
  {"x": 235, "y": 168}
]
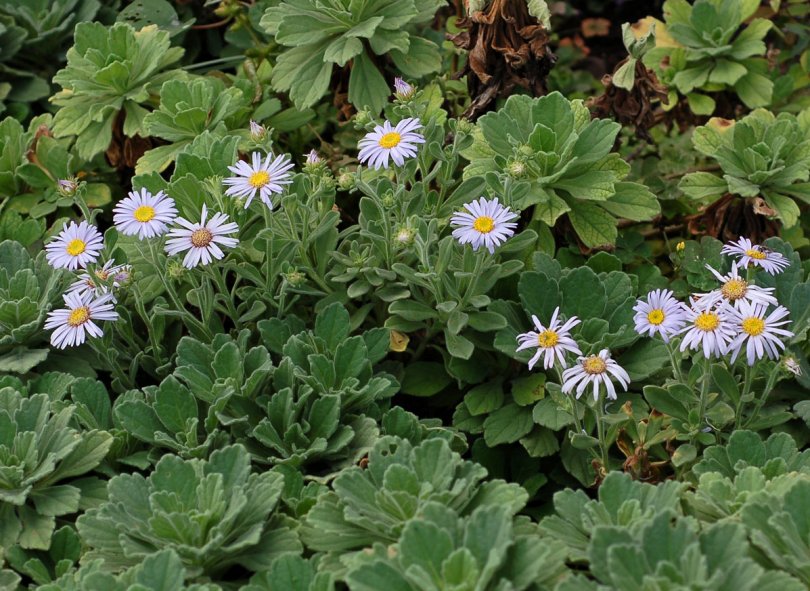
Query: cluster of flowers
[
  {"x": 732, "y": 317},
  {"x": 736, "y": 315},
  {"x": 90, "y": 298}
]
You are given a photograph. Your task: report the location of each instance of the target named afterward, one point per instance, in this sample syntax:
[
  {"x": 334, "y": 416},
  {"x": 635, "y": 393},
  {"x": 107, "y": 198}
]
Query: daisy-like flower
[
  {"x": 264, "y": 178},
  {"x": 735, "y": 289},
  {"x": 95, "y": 283},
  {"x": 402, "y": 89},
  {"x": 661, "y": 314},
  {"x": 201, "y": 240},
  {"x": 552, "y": 342},
  {"x": 761, "y": 333},
  {"x": 708, "y": 329},
  {"x": 397, "y": 143},
  {"x": 78, "y": 319},
  {"x": 144, "y": 214},
  {"x": 595, "y": 370},
  {"x": 753, "y": 254},
  {"x": 486, "y": 223},
  {"x": 76, "y": 246}
]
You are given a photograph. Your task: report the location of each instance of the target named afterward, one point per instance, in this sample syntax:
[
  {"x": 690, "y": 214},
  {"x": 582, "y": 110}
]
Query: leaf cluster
[
  {"x": 321, "y": 35},
  {"x": 762, "y": 154},
  {"x": 548, "y": 153},
  {"x": 710, "y": 48}
]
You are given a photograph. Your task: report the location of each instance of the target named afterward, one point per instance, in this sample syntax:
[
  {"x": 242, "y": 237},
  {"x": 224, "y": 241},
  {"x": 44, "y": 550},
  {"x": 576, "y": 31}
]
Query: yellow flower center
[
  {"x": 756, "y": 254},
  {"x": 390, "y": 140},
  {"x": 655, "y": 317},
  {"x": 144, "y": 213},
  {"x": 102, "y": 274},
  {"x": 734, "y": 289},
  {"x": 484, "y": 224},
  {"x": 547, "y": 339},
  {"x": 76, "y": 247},
  {"x": 78, "y": 316},
  {"x": 201, "y": 238},
  {"x": 753, "y": 326},
  {"x": 259, "y": 179},
  {"x": 707, "y": 321},
  {"x": 594, "y": 365}
]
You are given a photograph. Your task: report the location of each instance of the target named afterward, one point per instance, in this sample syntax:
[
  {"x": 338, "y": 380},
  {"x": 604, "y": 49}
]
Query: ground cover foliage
[{"x": 404, "y": 295}]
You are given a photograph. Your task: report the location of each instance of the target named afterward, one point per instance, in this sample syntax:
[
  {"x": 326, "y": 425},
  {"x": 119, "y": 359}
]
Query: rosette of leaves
[
  {"x": 547, "y": 153},
  {"x": 29, "y": 287},
  {"x": 213, "y": 514},
  {"x": 41, "y": 456},
  {"x": 190, "y": 412},
  {"x": 621, "y": 502},
  {"x": 291, "y": 573},
  {"x": 161, "y": 571},
  {"x": 743, "y": 470},
  {"x": 668, "y": 551},
  {"x": 761, "y": 155},
  {"x": 45, "y": 566},
  {"x": 325, "y": 393},
  {"x": 187, "y": 109},
  {"x": 705, "y": 48},
  {"x": 35, "y": 35},
  {"x": 486, "y": 550},
  {"x": 373, "y": 504},
  {"x": 320, "y": 35},
  {"x": 779, "y": 529},
  {"x": 110, "y": 71}
]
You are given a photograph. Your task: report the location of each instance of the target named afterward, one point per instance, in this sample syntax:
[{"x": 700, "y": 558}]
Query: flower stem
[
  {"x": 748, "y": 380},
  {"x": 761, "y": 401},
  {"x": 600, "y": 433},
  {"x": 704, "y": 391},
  {"x": 676, "y": 366}
]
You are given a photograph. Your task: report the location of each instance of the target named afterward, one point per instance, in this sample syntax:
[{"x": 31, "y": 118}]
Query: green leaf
[
  {"x": 303, "y": 72},
  {"x": 423, "y": 378},
  {"x": 593, "y": 224},
  {"x": 702, "y": 185},
  {"x": 700, "y": 104},
  {"x": 367, "y": 87},
  {"x": 421, "y": 59},
  {"x": 507, "y": 424}
]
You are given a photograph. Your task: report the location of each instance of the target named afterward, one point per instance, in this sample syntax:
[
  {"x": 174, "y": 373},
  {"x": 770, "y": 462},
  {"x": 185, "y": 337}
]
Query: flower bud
[{"x": 402, "y": 90}]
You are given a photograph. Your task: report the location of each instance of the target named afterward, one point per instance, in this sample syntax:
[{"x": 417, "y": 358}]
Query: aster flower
[
  {"x": 78, "y": 318},
  {"x": 552, "y": 342},
  {"x": 402, "y": 89},
  {"x": 735, "y": 289},
  {"x": 484, "y": 223},
  {"x": 760, "y": 256},
  {"x": 397, "y": 143},
  {"x": 76, "y": 246},
  {"x": 761, "y": 333},
  {"x": 144, "y": 214},
  {"x": 264, "y": 178},
  {"x": 661, "y": 314},
  {"x": 202, "y": 240},
  {"x": 95, "y": 283},
  {"x": 708, "y": 329},
  {"x": 595, "y": 370}
]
